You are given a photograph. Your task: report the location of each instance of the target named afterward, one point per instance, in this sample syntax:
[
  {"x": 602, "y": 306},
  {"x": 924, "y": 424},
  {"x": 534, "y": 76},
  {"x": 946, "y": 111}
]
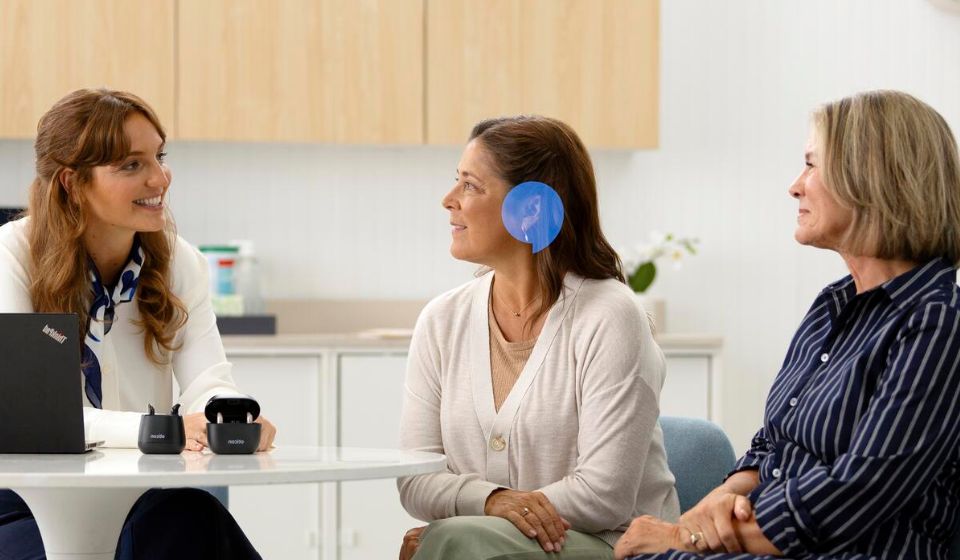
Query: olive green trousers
[{"x": 495, "y": 538}]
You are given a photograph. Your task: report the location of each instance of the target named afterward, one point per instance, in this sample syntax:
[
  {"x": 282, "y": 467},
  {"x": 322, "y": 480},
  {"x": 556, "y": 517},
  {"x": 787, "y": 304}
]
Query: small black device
[
  {"x": 41, "y": 405},
  {"x": 162, "y": 433},
  {"x": 231, "y": 429}
]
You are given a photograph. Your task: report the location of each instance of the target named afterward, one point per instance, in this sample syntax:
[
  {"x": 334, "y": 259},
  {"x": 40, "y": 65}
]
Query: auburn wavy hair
[
  {"x": 535, "y": 148},
  {"x": 82, "y": 131}
]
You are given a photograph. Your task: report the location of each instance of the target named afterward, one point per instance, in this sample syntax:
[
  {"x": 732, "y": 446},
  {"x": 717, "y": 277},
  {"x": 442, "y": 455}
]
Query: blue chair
[{"x": 700, "y": 456}]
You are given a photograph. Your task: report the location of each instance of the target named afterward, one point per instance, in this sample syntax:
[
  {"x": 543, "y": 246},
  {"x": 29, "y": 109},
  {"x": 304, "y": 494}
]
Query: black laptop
[{"x": 41, "y": 406}]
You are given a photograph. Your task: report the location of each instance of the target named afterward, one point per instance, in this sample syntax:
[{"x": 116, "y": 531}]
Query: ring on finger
[
  {"x": 524, "y": 511},
  {"x": 696, "y": 538}
]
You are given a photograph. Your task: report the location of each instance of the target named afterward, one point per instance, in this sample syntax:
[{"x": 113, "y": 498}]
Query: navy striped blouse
[{"x": 859, "y": 454}]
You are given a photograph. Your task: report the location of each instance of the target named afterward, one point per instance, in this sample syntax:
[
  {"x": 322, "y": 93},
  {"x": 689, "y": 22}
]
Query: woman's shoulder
[
  {"x": 452, "y": 303},
  {"x": 13, "y": 238},
  {"x": 607, "y": 300}
]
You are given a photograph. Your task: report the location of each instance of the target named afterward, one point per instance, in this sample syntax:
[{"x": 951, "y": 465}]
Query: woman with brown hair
[
  {"x": 540, "y": 379},
  {"x": 98, "y": 241}
]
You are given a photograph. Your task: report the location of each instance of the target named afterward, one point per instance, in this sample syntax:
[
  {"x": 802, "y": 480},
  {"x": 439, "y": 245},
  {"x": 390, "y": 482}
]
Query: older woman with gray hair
[{"x": 859, "y": 453}]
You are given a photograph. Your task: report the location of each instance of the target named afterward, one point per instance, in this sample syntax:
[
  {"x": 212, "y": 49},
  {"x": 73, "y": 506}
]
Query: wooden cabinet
[
  {"x": 341, "y": 71},
  {"x": 593, "y": 64},
  {"x": 345, "y": 71},
  {"x": 49, "y": 48}
]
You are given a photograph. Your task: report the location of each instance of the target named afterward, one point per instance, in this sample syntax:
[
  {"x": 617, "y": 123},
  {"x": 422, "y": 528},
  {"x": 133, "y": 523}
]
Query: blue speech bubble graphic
[{"x": 533, "y": 213}]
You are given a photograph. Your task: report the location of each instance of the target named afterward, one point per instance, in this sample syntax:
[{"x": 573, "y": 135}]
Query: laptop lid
[{"x": 41, "y": 407}]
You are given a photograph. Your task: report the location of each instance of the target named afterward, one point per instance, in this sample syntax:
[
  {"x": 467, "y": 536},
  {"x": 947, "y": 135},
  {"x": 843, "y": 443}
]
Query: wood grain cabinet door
[
  {"x": 49, "y": 48},
  {"x": 339, "y": 71},
  {"x": 591, "y": 63}
]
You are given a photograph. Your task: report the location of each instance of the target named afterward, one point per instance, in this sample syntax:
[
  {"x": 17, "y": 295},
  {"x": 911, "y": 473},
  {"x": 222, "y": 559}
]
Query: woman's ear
[{"x": 67, "y": 179}]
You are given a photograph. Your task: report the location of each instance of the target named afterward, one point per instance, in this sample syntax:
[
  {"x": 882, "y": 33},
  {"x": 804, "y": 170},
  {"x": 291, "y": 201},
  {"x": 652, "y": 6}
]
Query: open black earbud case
[{"x": 231, "y": 429}]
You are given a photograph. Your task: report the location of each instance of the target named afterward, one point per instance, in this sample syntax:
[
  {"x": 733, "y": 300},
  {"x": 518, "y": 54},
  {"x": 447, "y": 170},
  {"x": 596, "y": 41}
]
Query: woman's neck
[
  {"x": 109, "y": 251},
  {"x": 870, "y": 272},
  {"x": 516, "y": 284}
]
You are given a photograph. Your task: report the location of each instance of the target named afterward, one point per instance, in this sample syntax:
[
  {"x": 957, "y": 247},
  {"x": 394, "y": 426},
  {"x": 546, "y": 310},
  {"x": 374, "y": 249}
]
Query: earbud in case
[
  {"x": 231, "y": 429},
  {"x": 162, "y": 433}
]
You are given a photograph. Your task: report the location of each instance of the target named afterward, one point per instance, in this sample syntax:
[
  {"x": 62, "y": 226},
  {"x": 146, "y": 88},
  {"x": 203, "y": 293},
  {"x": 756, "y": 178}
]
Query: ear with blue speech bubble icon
[{"x": 533, "y": 213}]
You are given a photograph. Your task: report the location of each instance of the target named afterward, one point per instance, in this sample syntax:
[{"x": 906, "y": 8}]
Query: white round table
[{"x": 81, "y": 501}]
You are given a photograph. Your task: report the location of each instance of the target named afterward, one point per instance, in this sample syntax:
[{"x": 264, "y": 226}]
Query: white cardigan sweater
[
  {"x": 579, "y": 425},
  {"x": 130, "y": 379}
]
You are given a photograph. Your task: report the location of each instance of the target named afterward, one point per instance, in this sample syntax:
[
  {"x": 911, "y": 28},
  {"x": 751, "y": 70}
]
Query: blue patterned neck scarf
[{"x": 102, "y": 312}]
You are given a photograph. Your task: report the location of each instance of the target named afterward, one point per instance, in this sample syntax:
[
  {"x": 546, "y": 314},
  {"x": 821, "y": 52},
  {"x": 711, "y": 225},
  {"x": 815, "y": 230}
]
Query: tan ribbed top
[{"x": 506, "y": 359}]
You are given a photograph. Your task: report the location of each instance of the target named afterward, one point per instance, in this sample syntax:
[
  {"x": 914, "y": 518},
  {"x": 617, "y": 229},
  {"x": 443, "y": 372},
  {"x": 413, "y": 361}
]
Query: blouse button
[
  {"x": 497, "y": 444},
  {"x": 824, "y": 357},
  {"x": 777, "y": 473},
  {"x": 794, "y": 401}
]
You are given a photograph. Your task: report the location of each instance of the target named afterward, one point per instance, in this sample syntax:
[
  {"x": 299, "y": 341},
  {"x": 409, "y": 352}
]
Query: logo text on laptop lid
[{"x": 54, "y": 334}]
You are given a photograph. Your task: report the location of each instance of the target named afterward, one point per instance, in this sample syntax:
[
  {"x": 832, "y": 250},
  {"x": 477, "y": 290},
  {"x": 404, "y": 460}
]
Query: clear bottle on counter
[{"x": 247, "y": 275}]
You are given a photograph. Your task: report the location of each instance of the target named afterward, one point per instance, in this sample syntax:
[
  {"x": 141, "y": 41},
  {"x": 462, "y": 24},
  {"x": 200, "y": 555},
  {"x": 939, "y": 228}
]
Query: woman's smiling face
[
  {"x": 129, "y": 196},
  {"x": 475, "y": 203}
]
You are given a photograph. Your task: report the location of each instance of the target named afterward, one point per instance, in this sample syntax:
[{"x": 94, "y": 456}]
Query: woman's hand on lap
[{"x": 532, "y": 513}]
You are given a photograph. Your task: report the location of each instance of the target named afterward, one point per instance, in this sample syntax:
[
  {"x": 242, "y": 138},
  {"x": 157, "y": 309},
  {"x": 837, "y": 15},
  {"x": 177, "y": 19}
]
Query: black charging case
[
  {"x": 162, "y": 433},
  {"x": 231, "y": 429}
]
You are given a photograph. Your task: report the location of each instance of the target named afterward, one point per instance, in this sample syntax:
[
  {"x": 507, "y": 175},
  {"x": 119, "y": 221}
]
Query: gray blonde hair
[{"x": 893, "y": 161}]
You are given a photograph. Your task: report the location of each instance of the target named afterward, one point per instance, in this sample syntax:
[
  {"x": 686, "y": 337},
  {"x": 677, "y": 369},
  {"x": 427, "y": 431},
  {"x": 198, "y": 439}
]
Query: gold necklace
[{"x": 518, "y": 313}]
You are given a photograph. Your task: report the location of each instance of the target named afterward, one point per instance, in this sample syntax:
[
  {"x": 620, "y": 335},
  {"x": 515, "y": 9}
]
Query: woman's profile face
[
  {"x": 129, "y": 196},
  {"x": 821, "y": 220},
  {"x": 474, "y": 204}
]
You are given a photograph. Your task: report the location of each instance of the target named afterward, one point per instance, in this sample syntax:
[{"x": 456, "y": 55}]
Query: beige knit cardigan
[{"x": 579, "y": 425}]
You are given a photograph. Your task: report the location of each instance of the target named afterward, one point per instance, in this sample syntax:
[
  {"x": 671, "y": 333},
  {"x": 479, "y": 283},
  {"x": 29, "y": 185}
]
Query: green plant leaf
[{"x": 641, "y": 279}]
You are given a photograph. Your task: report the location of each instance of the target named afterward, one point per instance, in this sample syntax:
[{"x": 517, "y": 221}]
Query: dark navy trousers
[{"x": 183, "y": 524}]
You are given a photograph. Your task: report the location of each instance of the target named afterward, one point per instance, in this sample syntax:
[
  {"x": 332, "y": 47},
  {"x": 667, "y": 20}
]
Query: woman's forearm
[{"x": 741, "y": 483}]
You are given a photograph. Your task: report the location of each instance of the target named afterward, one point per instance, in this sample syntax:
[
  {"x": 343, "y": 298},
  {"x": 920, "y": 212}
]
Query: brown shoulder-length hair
[
  {"x": 534, "y": 148},
  {"x": 82, "y": 131}
]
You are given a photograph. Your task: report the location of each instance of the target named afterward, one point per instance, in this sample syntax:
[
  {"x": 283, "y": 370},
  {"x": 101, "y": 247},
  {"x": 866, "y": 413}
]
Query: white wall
[{"x": 738, "y": 81}]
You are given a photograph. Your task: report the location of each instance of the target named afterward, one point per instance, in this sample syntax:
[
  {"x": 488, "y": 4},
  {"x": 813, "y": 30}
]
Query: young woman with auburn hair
[
  {"x": 98, "y": 241},
  {"x": 540, "y": 379}
]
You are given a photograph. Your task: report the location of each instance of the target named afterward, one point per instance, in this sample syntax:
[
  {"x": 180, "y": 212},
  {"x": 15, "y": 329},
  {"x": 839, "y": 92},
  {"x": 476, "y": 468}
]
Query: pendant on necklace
[{"x": 516, "y": 314}]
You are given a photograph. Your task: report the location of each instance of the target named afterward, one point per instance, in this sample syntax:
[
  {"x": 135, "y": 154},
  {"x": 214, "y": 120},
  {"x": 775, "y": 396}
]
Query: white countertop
[{"x": 398, "y": 339}]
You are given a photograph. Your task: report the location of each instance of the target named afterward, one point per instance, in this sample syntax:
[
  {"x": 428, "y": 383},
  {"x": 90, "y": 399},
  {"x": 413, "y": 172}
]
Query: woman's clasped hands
[
  {"x": 712, "y": 522},
  {"x": 710, "y": 526}
]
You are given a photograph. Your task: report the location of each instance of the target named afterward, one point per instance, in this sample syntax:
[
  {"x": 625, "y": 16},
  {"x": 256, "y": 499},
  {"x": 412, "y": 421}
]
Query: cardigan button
[{"x": 498, "y": 444}]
